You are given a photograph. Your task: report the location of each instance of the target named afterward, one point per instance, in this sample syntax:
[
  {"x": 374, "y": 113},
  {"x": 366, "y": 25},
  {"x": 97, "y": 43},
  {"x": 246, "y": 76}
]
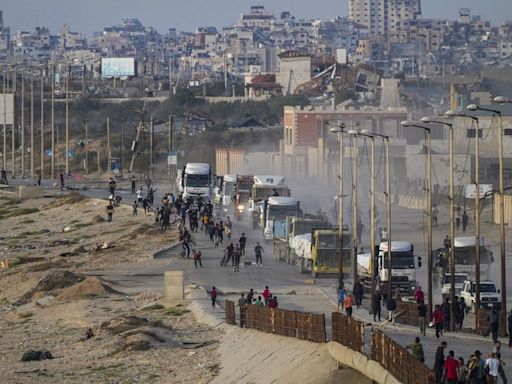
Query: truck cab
[
  {"x": 325, "y": 251},
  {"x": 403, "y": 266},
  {"x": 489, "y": 294},
  {"x": 276, "y": 209},
  {"x": 460, "y": 278},
  {"x": 263, "y": 187},
  {"x": 197, "y": 181}
]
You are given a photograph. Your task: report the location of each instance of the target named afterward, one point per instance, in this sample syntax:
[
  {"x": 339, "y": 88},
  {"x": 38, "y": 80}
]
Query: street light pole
[
  {"x": 452, "y": 217},
  {"x": 428, "y": 133},
  {"x": 355, "y": 238},
  {"x": 52, "y": 167},
  {"x": 14, "y": 122},
  {"x": 67, "y": 120},
  {"x": 501, "y": 206},
  {"x": 339, "y": 130},
  {"x": 4, "y": 143},
  {"x": 22, "y": 124},
  {"x": 32, "y": 146},
  {"x": 42, "y": 125}
]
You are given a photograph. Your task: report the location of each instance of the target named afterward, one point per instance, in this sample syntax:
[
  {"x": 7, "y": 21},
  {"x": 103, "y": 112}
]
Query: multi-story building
[
  {"x": 381, "y": 16},
  {"x": 294, "y": 69}
]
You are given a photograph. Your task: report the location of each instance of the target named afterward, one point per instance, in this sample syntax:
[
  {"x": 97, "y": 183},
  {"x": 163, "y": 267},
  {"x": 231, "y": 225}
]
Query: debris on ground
[{"x": 36, "y": 356}]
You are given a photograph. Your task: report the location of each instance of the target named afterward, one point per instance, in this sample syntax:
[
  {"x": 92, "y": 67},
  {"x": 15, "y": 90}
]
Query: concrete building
[
  {"x": 381, "y": 16},
  {"x": 294, "y": 69}
]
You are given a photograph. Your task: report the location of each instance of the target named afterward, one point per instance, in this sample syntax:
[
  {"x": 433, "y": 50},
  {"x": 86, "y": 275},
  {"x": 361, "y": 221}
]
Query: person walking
[
  {"x": 140, "y": 194},
  {"x": 446, "y": 308},
  {"x": 236, "y": 258},
  {"x": 391, "y": 305},
  {"x": 197, "y": 258},
  {"x": 476, "y": 368},
  {"x": 3, "y": 179},
  {"x": 450, "y": 369},
  {"x": 439, "y": 362},
  {"x": 250, "y": 296},
  {"x": 242, "y": 241},
  {"x": 419, "y": 296},
  {"x": 358, "y": 293},
  {"x": 213, "y": 296},
  {"x": 465, "y": 221},
  {"x": 509, "y": 323},
  {"x": 438, "y": 320},
  {"x": 62, "y": 184},
  {"x": 376, "y": 305},
  {"x": 266, "y": 294},
  {"x": 341, "y": 297},
  {"x": 165, "y": 219},
  {"x": 112, "y": 186},
  {"x": 133, "y": 180},
  {"x": 422, "y": 317},
  {"x": 347, "y": 304},
  {"x": 135, "y": 206},
  {"x": 435, "y": 215},
  {"x": 230, "y": 249},
  {"x": 242, "y": 304},
  {"x": 494, "y": 324},
  {"x": 110, "y": 211},
  {"x": 493, "y": 368},
  {"x": 417, "y": 349},
  {"x": 258, "y": 250},
  {"x": 462, "y": 313},
  {"x": 462, "y": 372},
  {"x": 501, "y": 370}
]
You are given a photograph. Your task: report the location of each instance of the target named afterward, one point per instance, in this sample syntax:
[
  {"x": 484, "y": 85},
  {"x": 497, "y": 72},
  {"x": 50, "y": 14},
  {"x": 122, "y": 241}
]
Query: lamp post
[
  {"x": 429, "y": 206},
  {"x": 340, "y": 130},
  {"x": 355, "y": 216},
  {"x": 388, "y": 210},
  {"x": 501, "y": 207},
  {"x": 372, "y": 214},
  {"x": 452, "y": 114},
  {"x": 427, "y": 120}
]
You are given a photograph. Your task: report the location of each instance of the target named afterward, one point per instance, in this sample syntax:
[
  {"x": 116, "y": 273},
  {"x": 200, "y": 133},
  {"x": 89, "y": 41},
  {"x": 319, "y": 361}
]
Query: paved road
[{"x": 283, "y": 279}]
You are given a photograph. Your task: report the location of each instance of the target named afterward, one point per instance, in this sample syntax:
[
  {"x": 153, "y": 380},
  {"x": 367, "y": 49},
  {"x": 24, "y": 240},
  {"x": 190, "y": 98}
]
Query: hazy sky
[{"x": 92, "y": 15}]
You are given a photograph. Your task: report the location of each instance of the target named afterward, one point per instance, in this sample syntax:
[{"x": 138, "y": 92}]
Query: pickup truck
[{"x": 489, "y": 295}]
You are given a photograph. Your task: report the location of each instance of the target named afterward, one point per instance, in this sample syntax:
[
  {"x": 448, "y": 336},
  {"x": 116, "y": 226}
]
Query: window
[
  {"x": 471, "y": 133},
  {"x": 508, "y": 132}
]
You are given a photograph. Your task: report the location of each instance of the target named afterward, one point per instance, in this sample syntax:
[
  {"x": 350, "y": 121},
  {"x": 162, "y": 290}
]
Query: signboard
[
  {"x": 485, "y": 191},
  {"x": 172, "y": 158},
  {"x": 117, "y": 67},
  {"x": 7, "y": 116}
]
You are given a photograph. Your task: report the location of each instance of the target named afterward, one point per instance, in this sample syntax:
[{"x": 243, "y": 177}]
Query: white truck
[
  {"x": 403, "y": 267},
  {"x": 224, "y": 192},
  {"x": 263, "y": 187},
  {"x": 196, "y": 180},
  {"x": 276, "y": 209},
  {"x": 460, "y": 278},
  {"x": 489, "y": 294}
]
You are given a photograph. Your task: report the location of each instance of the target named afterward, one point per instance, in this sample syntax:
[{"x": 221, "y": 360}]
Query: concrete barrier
[
  {"x": 361, "y": 363},
  {"x": 30, "y": 192},
  {"x": 174, "y": 286}
]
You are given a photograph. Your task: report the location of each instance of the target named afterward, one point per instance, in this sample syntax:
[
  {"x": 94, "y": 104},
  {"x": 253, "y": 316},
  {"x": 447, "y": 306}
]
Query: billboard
[
  {"x": 7, "y": 116},
  {"x": 485, "y": 191},
  {"x": 117, "y": 67}
]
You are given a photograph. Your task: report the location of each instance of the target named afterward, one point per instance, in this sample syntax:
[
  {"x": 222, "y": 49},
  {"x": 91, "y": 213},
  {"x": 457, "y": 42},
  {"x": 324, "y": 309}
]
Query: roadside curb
[{"x": 158, "y": 254}]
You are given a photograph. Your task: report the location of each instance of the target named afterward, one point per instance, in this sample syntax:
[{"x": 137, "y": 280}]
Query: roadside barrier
[
  {"x": 407, "y": 313},
  {"x": 345, "y": 330},
  {"x": 348, "y": 331},
  {"x": 398, "y": 361}
]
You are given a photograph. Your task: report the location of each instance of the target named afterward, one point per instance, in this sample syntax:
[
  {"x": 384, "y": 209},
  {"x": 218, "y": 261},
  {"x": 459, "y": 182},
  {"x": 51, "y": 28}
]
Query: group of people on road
[{"x": 475, "y": 370}]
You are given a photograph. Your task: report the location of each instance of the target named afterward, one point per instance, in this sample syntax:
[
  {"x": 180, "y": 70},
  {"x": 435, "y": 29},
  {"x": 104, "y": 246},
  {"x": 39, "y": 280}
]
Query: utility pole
[
  {"x": 452, "y": 235},
  {"x": 151, "y": 143},
  {"x": 169, "y": 144},
  {"x": 502, "y": 229},
  {"x": 388, "y": 209},
  {"x": 52, "y": 167},
  {"x": 339, "y": 130},
  {"x": 86, "y": 146},
  {"x": 22, "y": 124},
  {"x": 32, "y": 146},
  {"x": 42, "y": 125},
  {"x": 108, "y": 144},
  {"x": 355, "y": 218},
  {"x": 67, "y": 119},
  {"x": 4, "y": 153},
  {"x": 14, "y": 123}
]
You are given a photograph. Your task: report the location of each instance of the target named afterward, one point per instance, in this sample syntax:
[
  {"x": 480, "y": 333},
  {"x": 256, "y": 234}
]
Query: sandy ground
[{"x": 48, "y": 302}]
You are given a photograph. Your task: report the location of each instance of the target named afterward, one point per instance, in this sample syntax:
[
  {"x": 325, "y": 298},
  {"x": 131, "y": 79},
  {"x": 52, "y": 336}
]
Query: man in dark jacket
[
  {"x": 446, "y": 308},
  {"x": 376, "y": 307},
  {"x": 422, "y": 317},
  {"x": 358, "y": 293},
  {"x": 494, "y": 324},
  {"x": 391, "y": 304},
  {"x": 439, "y": 361}
]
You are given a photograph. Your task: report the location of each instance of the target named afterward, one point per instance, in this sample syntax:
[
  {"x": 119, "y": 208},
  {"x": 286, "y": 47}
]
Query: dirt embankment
[{"x": 51, "y": 300}]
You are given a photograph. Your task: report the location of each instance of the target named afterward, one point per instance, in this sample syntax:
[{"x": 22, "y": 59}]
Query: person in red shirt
[
  {"x": 450, "y": 369},
  {"x": 419, "y": 295},
  {"x": 266, "y": 294},
  {"x": 213, "y": 296},
  {"x": 438, "y": 320},
  {"x": 273, "y": 303}
]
